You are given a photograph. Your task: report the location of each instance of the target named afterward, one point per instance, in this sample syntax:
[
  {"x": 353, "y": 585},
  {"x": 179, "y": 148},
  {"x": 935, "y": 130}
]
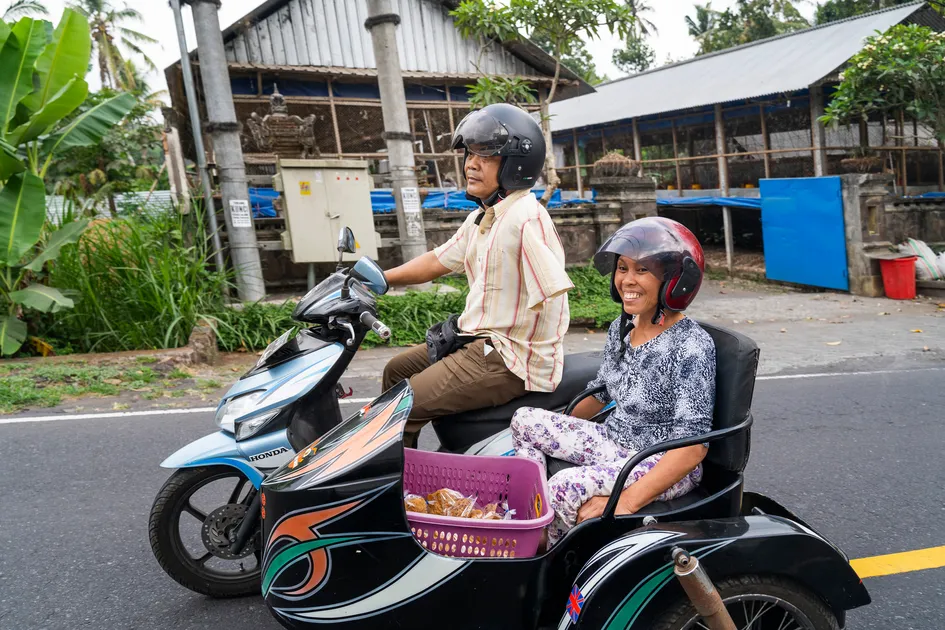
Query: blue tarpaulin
[
  {"x": 730, "y": 202},
  {"x": 382, "y": 201},
  {"x": 261, "y": 201}
]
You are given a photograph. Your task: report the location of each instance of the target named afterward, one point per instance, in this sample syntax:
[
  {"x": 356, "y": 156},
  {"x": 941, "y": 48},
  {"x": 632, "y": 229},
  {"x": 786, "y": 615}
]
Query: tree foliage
[
  {"x": 110, "y": 35},
  {"x": 560, "y": 22},
  {"x": 636, "y": 55},
  {"x": 577, "y": 58},
  {"x": 24, "y": 8},
  {"x": 747, "y": 21},
  {"x": 41, "y": 85},
  {"x": 834, "y": 10},
  {"x": 901, "y": 70}
]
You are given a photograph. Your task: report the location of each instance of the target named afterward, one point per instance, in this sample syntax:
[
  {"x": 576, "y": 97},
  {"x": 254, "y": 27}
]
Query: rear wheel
[
  {"x": 193, "y": 522},
  {"x": 758, "y": 603}
]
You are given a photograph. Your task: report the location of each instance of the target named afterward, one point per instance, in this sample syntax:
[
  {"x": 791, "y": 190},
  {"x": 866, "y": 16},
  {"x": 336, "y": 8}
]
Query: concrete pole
[
  {"x": 223, "y": 128},
  {"x": 723, "y": 187},
  {"x": 382, "y": 23},
  {"x": 198, "y": 136},
  {"x": 818, "y": 134}
]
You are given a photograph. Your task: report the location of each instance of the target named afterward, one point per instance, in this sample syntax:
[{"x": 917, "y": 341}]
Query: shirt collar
[{"x": 507, "y": 203}]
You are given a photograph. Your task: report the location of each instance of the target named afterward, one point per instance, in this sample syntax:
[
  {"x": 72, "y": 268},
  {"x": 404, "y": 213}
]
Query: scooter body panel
[{"x": 252, "y": 457}]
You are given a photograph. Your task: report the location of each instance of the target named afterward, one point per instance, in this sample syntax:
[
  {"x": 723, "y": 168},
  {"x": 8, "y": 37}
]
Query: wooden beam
[
  {"x": 901, "y": 141},
  {"x": 603, "y": 142},
  {"x": 577, "y": 163},
  {"x": 436, "y": 164},
  {"x": 765, "y": 141},
  {"x": 460, "y": 176},
  {"x": 817, "y": 131},
  {"x": 637, "y": 148},
  {"x": 676, "y": 161},
  {"x": 334, "y": 118},
  {"x": 941, "y": 168},
  {"x": 723, "y": 187}
]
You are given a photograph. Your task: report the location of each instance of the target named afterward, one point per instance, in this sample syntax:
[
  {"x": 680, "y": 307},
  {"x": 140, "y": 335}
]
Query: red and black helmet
[{"x": 668, "y": 248}]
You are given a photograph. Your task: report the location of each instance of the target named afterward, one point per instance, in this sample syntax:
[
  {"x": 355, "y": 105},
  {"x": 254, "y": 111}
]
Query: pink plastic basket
[{"x": 517, "y": 480}]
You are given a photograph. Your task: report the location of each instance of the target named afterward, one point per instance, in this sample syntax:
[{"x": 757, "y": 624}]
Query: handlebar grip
[{"x": 376, "y": 325}]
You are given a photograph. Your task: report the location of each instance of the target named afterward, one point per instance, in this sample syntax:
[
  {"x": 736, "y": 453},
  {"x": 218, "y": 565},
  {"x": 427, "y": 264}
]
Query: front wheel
[
  {"x": 758, "y": 603},
  {"x": 193, "y": 522}
]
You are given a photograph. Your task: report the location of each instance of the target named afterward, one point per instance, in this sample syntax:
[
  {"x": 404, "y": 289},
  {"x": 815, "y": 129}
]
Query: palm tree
[
  {"x": 23, "y": 8},
  {"x": 637, "y": 8},
  {"x": 106, "y": 23},
  {"x": 704, "y": 22}
]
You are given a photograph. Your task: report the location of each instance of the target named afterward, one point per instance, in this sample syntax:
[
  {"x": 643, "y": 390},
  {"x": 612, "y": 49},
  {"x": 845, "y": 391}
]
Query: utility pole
[
  {"x": 198, "y": 136},
  {"x": 223, "y": 128},
  {"x": 382, "y": 23}
]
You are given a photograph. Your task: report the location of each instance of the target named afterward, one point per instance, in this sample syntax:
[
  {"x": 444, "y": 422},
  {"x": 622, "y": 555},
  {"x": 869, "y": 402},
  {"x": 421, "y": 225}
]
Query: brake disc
[{"x": 219, "y": 532}]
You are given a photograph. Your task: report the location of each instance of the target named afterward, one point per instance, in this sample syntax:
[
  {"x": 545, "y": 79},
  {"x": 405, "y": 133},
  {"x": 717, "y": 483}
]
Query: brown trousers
[{"x": 462, "y": 381}]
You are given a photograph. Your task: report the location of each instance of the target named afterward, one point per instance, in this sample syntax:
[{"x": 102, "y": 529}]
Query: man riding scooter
[{"x": 508, "y": 340}]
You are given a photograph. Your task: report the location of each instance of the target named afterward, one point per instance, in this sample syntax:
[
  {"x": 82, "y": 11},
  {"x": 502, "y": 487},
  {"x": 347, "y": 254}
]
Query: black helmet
[{"x": 507, "y": 131}]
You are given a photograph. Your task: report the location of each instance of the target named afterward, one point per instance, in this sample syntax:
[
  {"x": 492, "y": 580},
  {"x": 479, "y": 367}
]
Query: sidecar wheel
[
  {"x": 190, "y": 535},
  {"x": 758, "y": 603}
]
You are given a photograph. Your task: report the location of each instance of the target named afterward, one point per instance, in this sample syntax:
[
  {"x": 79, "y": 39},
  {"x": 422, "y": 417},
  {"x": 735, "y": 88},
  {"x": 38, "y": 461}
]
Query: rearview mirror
[
  {"x": 371, "y": 274},
  {"x": 346, "y": 242}
]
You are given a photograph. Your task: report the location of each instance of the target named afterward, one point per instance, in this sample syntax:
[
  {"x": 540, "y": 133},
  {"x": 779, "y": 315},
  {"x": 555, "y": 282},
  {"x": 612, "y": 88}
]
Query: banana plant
[{"x": 42, "y": 90}]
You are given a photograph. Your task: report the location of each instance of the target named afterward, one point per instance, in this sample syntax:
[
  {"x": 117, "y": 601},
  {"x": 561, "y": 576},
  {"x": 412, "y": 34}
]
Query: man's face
[{"x": 482, "y": 175}]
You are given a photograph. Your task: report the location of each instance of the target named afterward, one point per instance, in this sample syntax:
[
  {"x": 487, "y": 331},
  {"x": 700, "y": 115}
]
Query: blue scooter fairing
[{"x": 251, "y": 457}]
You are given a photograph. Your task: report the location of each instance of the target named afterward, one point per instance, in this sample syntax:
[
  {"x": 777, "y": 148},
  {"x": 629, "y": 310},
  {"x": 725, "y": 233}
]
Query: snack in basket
[
  {"x": 447, "y": 502},
  {"x": 491, "y": 512},
  {"x": 415, "y": 503}
]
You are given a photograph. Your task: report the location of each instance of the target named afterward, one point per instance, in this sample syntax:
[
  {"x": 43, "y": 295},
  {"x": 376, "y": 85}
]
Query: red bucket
[{"x": 899, "y": 278}]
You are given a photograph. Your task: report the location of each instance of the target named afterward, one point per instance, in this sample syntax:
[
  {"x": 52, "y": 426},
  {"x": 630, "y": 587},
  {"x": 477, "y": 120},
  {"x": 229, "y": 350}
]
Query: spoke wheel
[
  {"x": 194, "y": 520},
  {"x": 758, "y": 603}
]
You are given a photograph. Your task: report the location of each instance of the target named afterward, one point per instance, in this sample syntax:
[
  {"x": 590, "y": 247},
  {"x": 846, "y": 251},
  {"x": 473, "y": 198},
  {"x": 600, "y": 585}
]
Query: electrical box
[{"x": 321, "y": 197}]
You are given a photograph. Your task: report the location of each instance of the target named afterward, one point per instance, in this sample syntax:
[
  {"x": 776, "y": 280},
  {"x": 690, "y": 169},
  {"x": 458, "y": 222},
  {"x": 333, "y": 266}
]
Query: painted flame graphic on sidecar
[{"x": 353, "y": 441}]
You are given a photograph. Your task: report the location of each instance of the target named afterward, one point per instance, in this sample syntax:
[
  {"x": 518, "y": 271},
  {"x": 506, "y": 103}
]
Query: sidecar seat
[
  {"x": 460, "y": 430},
  {"x": 720, "y": 493}
]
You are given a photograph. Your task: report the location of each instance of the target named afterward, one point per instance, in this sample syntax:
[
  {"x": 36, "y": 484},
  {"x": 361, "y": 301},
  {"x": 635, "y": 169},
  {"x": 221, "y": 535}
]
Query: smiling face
[
  {"x": 637, "y": 285},
  {"x": 482, "y": 175}
]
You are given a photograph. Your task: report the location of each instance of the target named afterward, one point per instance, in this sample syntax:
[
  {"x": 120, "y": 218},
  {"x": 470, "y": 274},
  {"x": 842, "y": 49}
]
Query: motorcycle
[
  {"x": 290, "y": 397},
  {"x": 341, "y": 549}
]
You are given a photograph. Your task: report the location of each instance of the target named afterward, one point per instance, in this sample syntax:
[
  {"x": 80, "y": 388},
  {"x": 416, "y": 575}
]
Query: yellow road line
[{"x": 889, "y": 564}]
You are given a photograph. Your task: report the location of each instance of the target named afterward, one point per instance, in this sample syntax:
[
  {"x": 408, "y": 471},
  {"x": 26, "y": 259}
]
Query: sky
[{"x": 672, "y": 41}]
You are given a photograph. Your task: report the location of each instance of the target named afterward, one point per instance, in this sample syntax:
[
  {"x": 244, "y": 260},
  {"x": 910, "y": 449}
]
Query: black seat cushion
[
  {"x": 461, "y": 430},
  {"x": 736, "y": 361}
]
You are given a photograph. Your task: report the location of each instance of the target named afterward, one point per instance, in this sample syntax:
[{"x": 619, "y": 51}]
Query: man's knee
[{"x": 395, "y": 371}]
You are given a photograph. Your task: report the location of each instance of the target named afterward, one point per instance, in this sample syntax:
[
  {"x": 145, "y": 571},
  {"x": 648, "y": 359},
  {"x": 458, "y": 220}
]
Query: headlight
[
  {"x": 236, "y": 408},
  {"x": 251, "y": 427}
]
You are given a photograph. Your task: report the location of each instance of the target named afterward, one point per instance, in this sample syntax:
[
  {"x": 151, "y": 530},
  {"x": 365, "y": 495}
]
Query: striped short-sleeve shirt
[{"x": 514, "y": 262}]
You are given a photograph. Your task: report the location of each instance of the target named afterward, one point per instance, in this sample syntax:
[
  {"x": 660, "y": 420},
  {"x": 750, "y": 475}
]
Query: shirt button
[{"x": 482, "y": 231}]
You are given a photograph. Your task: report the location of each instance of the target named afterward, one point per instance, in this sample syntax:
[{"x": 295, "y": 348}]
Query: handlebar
[{"x": 376, "y": 325}]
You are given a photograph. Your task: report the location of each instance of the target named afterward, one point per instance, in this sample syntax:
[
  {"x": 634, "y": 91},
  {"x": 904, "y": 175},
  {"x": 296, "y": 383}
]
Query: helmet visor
[
  {"x": 482, "y": 134},
  {"x": 643, "y": 241}
]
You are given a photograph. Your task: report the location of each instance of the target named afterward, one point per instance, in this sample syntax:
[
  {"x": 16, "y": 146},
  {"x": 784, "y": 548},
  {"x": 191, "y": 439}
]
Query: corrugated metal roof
[
  {"x": 331, "y": 33},
  {"x": 780, "y": 64}
]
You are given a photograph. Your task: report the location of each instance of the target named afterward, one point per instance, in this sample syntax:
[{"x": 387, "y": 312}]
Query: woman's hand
[{"x": 592, "y": 508}]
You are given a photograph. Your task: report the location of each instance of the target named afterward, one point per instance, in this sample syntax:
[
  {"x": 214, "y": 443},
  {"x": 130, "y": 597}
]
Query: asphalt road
[{"x": 858, "y": 456}]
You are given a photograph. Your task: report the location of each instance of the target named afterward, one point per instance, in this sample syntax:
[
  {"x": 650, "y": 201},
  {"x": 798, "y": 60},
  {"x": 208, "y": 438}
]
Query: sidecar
[{"x": 340, "y": 550}]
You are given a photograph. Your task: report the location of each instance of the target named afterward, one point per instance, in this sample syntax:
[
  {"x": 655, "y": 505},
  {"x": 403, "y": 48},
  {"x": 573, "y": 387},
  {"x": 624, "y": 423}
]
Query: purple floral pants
[{"x": 538, "y": 432}]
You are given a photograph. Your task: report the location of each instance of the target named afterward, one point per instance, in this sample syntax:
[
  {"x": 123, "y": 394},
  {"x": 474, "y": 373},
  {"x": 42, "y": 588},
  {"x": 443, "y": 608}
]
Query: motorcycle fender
[
  {"x": 216, "y": 449},
  {"x": 630, "y": 582}
]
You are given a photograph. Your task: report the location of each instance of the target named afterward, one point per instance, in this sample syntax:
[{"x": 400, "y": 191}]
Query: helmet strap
[{"x": 659, "y": 317}]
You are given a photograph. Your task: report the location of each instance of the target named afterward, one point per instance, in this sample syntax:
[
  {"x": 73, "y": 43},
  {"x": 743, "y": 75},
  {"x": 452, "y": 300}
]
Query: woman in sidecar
[{"x": 339, "y": 547}]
